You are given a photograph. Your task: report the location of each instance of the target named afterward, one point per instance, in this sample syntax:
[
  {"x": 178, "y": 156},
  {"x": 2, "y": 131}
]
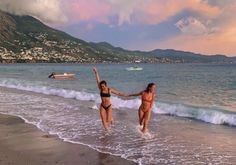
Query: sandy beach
[{"x": 24, "y": 144}]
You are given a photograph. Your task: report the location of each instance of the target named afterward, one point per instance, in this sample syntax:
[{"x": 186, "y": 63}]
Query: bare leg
[
  {"x": 103, "y": 117},
  {"x": 109, "y": 115},
  {"x": 146, "y": 119},
  {"x": 141, "y": 116}
]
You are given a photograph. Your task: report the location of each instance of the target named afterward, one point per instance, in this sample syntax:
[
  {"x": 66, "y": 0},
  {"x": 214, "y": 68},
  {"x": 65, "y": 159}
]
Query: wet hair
[
  {"x": 149, "y": 87},
  {"x": 103, "y": 82}
]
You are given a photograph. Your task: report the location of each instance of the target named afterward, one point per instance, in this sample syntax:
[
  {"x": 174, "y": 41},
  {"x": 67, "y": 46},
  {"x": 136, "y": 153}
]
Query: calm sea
[{"x": 193, "y": 121}]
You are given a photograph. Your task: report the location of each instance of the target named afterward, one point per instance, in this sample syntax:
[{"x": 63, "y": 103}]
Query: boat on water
[
  {"x": 64, "y": 75},
  {"x": 134, "y": 68}
]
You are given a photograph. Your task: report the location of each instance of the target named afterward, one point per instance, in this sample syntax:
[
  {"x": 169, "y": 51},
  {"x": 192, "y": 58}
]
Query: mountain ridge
[{"x": 26, "y": 39}]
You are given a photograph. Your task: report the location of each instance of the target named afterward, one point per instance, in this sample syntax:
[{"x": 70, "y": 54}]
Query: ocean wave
[
  {"x": 72, "y": 94},
  {"x": 214, "y": 116},
  {"x": 210, "y": 115}
]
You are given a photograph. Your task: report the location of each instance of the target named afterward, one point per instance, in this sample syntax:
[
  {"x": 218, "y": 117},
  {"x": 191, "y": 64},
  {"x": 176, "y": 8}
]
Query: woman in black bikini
[
  {"x": 105, "y": 93},
  {"x": 144, "y": 112}
]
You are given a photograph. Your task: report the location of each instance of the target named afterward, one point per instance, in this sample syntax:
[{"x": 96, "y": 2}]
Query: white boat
[
  {"x": 134, "y": 68},
  {"x": 65, "y": 75}
]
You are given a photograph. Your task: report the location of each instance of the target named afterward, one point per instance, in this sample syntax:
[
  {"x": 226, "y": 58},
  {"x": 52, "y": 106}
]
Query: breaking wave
[{"x": 214, "y": 116}]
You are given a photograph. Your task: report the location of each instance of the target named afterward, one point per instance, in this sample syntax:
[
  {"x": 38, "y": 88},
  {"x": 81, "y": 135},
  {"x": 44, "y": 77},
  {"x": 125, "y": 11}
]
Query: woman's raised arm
[{"x": 97, "y": 77}]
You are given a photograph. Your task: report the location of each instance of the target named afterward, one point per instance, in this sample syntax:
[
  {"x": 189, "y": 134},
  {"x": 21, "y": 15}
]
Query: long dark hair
[
  {"x": 149, "y": 87},
  {"x": 103, "y": 82}
]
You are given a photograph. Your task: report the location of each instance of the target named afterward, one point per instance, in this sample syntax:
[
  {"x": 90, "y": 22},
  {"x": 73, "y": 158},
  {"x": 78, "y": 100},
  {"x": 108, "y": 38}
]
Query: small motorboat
[
  {"x": 65, "y": 75},
  {"x": 134, "y": 68}
]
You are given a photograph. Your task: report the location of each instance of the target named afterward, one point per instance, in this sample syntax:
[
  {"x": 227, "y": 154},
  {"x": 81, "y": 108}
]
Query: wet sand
[{"x": 25, "y": 144}]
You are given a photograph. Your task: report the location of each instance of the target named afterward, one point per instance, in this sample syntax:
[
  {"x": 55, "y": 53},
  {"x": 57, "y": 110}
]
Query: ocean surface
[{"x": 193, "y": 119}]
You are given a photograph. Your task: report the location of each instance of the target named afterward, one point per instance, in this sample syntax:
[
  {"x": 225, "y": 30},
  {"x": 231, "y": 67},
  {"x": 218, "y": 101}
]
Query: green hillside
[{"x": 26, "y": 39}]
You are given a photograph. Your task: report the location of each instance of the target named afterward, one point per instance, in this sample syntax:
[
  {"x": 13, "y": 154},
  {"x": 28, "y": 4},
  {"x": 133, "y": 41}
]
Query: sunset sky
[{"x": 201, "y": 26}]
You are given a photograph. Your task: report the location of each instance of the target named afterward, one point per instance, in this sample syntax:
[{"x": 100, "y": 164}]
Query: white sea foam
[
  {"x": 204, "y": 114},
  {"x": 146, "y": 135},
  {"x": 48, "y": 90}
]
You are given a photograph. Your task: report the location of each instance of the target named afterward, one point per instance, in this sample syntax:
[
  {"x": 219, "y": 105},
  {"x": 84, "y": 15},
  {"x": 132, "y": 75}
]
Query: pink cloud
[
  {"x": 193, "y": 26},
  {"x": 158, "y": 11},
  {"x": 83, "y": 10},
  {"x": 213, "y": 37},
  {"x": 221, "y": 41},
  {"x": 209, "y": 31},
  {"x": 217, "y": 43},
  {"x": 136, "y": 11}
]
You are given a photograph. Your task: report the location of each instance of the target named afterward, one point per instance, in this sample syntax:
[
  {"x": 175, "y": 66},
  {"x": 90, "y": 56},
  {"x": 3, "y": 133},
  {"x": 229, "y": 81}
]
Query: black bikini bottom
[{"x": 106, "y": 107}]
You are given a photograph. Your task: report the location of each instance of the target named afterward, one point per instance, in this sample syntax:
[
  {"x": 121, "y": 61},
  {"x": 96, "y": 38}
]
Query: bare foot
[{"x": 144, "y": 130}]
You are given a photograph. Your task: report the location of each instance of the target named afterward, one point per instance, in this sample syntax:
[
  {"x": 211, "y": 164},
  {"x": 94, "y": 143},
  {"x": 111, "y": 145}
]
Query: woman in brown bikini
[
  {"x": 148, "y": 97},
  {"x": 105, "y": 93}
]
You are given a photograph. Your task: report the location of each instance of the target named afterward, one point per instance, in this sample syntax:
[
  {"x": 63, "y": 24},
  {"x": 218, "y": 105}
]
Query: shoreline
[{"x": 23, "y": 143}]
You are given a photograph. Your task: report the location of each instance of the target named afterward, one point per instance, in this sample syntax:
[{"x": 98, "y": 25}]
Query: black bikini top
[{"x": 105, "y": 94}]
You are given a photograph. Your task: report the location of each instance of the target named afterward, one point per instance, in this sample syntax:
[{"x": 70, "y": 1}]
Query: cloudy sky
[{"x": 201, "y": 26}]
